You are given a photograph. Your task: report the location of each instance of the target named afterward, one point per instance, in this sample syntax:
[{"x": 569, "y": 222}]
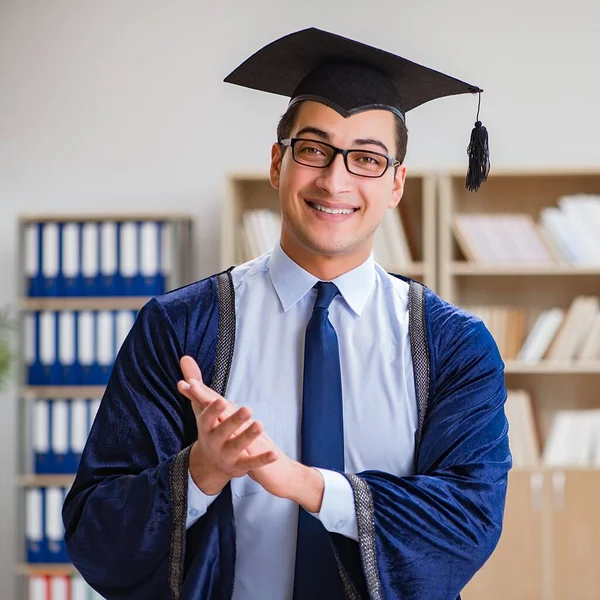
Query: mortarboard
[{"x": 351, "y": 77}]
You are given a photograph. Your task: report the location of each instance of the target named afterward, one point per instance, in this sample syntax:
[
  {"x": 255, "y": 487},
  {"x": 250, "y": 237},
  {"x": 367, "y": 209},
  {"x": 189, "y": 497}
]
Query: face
[{"x": 309, "y": 234}]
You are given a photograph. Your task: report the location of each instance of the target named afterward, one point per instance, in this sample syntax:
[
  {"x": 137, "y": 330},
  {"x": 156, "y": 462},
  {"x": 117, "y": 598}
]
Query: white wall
[{"x": 119, "y": 105}]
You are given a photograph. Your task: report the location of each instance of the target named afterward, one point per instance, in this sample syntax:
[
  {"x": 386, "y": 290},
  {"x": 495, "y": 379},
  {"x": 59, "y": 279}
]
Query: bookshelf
[
  {"x": 551, "y": 527},
  {"x": 124, "y": 261},
  {"x": 251, "y": 191}
]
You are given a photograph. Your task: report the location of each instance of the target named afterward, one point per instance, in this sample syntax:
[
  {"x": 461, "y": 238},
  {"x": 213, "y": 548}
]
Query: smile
[{"x": 332, "y": 211}]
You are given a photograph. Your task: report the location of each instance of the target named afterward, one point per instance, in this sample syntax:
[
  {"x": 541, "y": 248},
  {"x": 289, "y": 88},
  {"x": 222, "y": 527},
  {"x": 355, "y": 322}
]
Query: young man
[{"x": 362, "y": 450}]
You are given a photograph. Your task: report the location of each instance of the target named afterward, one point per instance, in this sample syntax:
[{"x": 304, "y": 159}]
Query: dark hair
[{"x": 284, "y": 130}]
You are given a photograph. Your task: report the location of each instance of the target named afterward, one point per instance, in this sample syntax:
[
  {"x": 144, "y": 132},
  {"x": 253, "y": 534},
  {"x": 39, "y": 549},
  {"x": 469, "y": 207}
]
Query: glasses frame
[{"x": 291, "y": 142}]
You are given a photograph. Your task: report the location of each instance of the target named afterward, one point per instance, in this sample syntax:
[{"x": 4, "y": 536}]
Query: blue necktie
[{"x": 322, "y": 432}]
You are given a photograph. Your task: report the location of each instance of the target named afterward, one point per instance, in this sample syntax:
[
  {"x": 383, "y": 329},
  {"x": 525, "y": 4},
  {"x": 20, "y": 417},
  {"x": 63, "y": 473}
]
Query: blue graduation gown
[{"x": 420, "y": 537}]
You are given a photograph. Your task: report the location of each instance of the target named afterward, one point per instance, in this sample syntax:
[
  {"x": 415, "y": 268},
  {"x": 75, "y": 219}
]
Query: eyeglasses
[{"x": 320, "y": 155}]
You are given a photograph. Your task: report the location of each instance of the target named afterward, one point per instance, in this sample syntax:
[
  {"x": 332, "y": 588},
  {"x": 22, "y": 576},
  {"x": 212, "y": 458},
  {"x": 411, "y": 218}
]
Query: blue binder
[
  {"x": 41, "y": 435},
  {"x": 90, "y": 259},
  {"x": 67, "y": 334},
  {"x": 34, "y": 525},
  {"x": 70, "y": 260},
  {"x": 50, "y": 258},
  {"x": 33, "y": 259},
  {"x": 129, "y": 258},
  {"x": 108, "y": 259},
  {"x": 86, "y": 344},
  {"x": 32, "y": 343}
]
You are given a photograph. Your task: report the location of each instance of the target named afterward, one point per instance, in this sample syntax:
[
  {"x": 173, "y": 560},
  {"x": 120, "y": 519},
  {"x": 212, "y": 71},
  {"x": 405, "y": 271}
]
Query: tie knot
[{"x": 326, "y": 292}]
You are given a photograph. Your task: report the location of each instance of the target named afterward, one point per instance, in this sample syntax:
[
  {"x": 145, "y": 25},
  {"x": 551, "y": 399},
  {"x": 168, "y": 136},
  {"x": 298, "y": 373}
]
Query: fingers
[
  {"x": 211, "y": 416},
  {"x": 190, "y": 369},
  {"x": 251, "y": 463},
  {"x": 236, "y": 445}
]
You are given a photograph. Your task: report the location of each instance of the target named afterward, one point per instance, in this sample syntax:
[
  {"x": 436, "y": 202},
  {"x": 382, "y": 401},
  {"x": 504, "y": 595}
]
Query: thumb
[{"x": 190, "y": 369}]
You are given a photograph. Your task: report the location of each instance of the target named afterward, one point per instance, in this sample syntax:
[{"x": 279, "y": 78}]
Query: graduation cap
[{"x": 351, "y": 77}]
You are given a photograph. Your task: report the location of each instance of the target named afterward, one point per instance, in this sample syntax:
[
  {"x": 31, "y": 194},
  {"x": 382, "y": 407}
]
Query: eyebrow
[{"x": 326, "y": 137}]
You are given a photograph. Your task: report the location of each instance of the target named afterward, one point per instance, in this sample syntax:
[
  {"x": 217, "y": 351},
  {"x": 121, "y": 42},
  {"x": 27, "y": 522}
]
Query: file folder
[
  {"x": 79, "y": 588},
  {"x": 166, "y": 251},
  {"x": 90, "y": 261},
  {"x": 59, "y": 436},
  {"x": 124, "y": 320},
  {"x": 108, "y": 263},
  {"x": 60, "y": 587},
  {"x": 39, "y": 588},
  {"x": 48, "y": 344},
  {"x": 71, "y": 258},
  {"x": 105, "y": 348},
  {"x": 50, "y": 258},
  {"x": 128, "y": 259},
  {"x": 56, "y": 551},
  {"x": 150, "y": 277},
  {"x": 33, "y": 259},
  {"x": 66, "y": 348},
  {"x": 34, "y": 525},
  {"x": 32, "y": 348},
  {"x": 41, "y": 437},
  {"x": 85, "y": 346},
  {"x": 79, "y": 431}
]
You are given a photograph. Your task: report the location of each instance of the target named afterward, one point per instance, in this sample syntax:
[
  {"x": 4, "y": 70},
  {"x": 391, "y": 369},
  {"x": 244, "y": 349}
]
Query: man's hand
[
  {"x": 213, "y": 466},
  {"x": 224, "y": 436}
]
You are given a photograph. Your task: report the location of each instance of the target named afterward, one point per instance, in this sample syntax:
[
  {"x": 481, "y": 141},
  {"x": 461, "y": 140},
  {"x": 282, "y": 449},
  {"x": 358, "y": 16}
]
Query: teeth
[{"x": 332, "y": 211}]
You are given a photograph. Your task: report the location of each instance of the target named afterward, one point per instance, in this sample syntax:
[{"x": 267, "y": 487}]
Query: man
[{"x": 361, "y": 450}]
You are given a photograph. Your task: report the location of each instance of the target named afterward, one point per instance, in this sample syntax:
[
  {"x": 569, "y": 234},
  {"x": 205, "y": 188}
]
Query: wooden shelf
[
  {"x": 551, "y": 368},
  {"x": 45, "y": 480},
  {"x": 103, "y": 217},
  {"x": 62, "y": 391},
  {"x": 467, "y": 268},
  {"x": 33, "y": 569},
  {"x": 95, "y": 303}
]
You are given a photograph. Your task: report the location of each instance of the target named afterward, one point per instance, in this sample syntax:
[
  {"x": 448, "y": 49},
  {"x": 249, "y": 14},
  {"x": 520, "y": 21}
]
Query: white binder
[
  {"x": 34, "y": 530},
  {"x": 71, "y": 256},
  {"x": 79, "y": 425},
  {"x": 66, "y": 347},
  {"x": 86, "y": 344},
  {"x": 38, "y": 588},
  {"x": 60, "y": 430}
]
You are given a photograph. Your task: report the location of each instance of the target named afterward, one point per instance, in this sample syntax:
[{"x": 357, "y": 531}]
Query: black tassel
[{"x": 479, "y": 158}]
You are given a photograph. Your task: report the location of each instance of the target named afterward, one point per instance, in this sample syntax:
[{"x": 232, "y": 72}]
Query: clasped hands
[{"x": 231, "y": 444}]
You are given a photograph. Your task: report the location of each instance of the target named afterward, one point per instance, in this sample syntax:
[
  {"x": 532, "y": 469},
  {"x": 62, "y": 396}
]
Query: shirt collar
[{"x": 292, "y": 282}]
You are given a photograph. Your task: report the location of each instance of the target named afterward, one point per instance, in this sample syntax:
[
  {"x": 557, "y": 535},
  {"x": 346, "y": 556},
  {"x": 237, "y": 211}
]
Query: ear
[
  {"x": 398, "y": 186},
  {"x": 275, "y": 169}
]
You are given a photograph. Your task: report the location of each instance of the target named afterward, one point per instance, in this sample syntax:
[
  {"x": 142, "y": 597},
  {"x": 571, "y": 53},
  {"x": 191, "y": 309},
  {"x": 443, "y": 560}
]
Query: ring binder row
[
  {"x": 109, "y": 258},
  {"x": 59, "y": 431},
  {"x": 73, "y": 347},
  {"x": 44, "y": 531},
  {"x": 60, "y": 587}
]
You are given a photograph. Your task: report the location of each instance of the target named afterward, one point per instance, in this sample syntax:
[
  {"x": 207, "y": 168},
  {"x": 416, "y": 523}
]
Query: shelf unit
[
  {"x": 249, "y": 191},
  {"x": 179, "y": 251},
  {"x": 551, "y": 529}
]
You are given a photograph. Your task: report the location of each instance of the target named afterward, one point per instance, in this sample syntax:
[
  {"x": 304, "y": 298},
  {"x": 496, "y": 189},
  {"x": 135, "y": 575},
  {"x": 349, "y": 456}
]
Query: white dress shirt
[{"x": 274, "y": 299}]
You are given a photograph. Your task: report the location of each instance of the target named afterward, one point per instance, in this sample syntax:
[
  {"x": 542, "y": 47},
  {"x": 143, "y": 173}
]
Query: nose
[{"x": 335, "y": 179}]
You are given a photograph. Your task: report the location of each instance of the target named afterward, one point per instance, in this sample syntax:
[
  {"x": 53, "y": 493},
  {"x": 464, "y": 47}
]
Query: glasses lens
[
  {"x": 311, "y": 153},
  {"x": 367, "y": 164}
]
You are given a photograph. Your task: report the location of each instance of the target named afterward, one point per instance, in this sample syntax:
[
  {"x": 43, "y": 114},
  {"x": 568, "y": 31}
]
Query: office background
[{"x": 117, "y": 106}]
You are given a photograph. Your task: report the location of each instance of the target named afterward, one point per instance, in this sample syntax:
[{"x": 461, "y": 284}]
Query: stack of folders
[
  {"x": 563, "y": 234},
  {"x": 44, "y": 527},
  {"x": 574, "y": 440},
  {"x": 572, "y": 335},
  {"x": 391, "y": 249},
  {"x": 60, "y": 587},
  {"x": 259, "y": 232},
  {"x": 74, "y": 347},
  {"x": 59, "y": 432},
  {"x": 108, "y": 258},
  {"x": 522, "y": 433},
  {"x": 557, "y": 335}
]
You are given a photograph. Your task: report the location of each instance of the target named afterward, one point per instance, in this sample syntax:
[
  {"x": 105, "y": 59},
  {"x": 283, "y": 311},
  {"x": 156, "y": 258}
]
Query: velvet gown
[{"x": 421, "y": 537}]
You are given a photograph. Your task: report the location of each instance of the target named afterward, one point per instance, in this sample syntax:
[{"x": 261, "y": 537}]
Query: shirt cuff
[
  {"x": 337, "y": 513},
  {"x": 198, "y": 502}
]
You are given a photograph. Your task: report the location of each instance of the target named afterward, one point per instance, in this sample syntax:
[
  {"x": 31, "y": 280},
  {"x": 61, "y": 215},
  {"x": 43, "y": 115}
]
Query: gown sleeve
[
  {"x": 423, "y": 537},
  {"x": 124, "y": 516}
]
